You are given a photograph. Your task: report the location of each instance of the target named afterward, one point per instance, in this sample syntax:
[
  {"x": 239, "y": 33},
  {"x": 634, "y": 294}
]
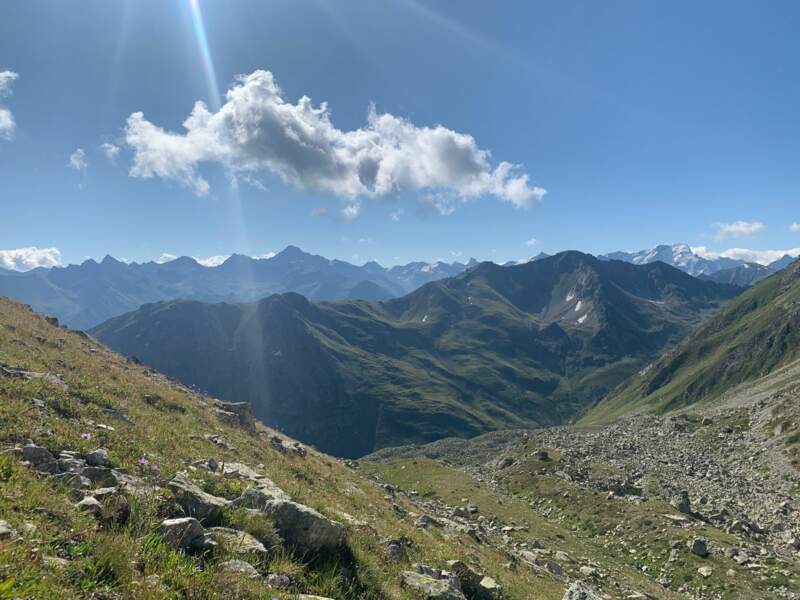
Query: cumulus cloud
[
  {"x": 78, "y": 160},
  {"x": 762, "y": 257},
  {"x": 531, "y": 242},
  {"x": 111, "y": 151},
  {"x": 165, "y": 258},
  {"x": 737, "y": 229},
  {"x": 7, "y": 124},
  {"x": 25, "y": 259},
  {"x": 266, "y": 255},
  {"x": 258, "y": 130},
  {"x": 794, "y": 227}
]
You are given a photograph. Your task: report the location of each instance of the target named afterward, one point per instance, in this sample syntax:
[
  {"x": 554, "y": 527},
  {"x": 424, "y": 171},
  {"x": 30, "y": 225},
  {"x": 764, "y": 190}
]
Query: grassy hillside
[
  {"x": 756, "y": 333},
  {"x": 495, "y": 347},
  {"x": 67, "y": 394}
]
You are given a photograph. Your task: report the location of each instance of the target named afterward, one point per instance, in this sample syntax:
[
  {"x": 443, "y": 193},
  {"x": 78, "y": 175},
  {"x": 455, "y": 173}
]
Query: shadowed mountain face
[
  {"x": 494, "y": 347},
  {"x": 744, "y": 275},
  {"x": 752, "y": 336},
  {"x": 82, "y": 296}
]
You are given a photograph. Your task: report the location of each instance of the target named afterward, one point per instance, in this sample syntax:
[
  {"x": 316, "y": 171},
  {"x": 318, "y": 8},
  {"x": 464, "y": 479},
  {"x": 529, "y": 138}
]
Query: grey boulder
[
  {"x": 303, "y": 527},
  {"x": 183, "y": 533},
  {"x": 259, "y": 496},
  {"x": 238, "y": 567},
  {"x": 195, "y": 502},
  {"x": 236, "y": 542},
  {"x": 431, "y": 584}
]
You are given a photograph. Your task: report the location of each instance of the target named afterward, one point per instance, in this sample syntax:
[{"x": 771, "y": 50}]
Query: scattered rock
[
  {"x": 425, "y": 521},
  {"x": 195, "y": 502},
  {"x": 681, "y": 502},
  {"x": 100, "y": 476},
  {"x": 705, "y": 571},
  {"x": 542, "y": 455},
  {"x": 396, "y": 550},
  {"x": 303, "y": 527},
  {"x": 698, "y": 546},
  {"x": 237, "y": 542},
  {"x": 581, "y": 591},
  {"x": 7, "y": 532},
  {"x": 41, "y": 459},
  {"x": 473, "y": 584},
  {"x": 238, "y": 567},
  {"x": 98, "y": 458},
  {"x": 90, "y": 504},
  {"x": 116, "y": 508},
  {"x": 186, "y": 532},
  {"x": 432, "y": 584},
  {"x": 259, "y": 496},
  {"x": 279, "y": 581}
]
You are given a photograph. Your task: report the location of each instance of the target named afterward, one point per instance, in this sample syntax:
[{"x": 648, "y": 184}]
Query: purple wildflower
[{"x": 86, "y": 436}]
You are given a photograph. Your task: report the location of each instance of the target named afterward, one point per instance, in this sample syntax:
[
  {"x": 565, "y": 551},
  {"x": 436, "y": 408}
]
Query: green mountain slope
[
  {"x": 63, "y": 395},
  {"x": 495, "y": 347},
  {"x": 749, "y": 338}
]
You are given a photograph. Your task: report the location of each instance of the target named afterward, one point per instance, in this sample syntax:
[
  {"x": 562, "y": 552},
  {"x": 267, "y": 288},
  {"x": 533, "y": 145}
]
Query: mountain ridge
[
  {"x": 756, "y": 333},
  {"x": 85, "y": 295},
  {"x": 551, "y": 335}
]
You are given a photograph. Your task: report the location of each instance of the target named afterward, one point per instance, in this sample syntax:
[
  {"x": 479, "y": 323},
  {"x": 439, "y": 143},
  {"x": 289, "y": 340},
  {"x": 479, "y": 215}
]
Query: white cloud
[
  {"x": 212, "y": 261},
  {"x": 165, "y": 258},
  {"x": 7, "y": 124},
  {"x": 441, "y": 204},
  {"x": 762, "y": 257},
  {"x": 24, "y": 259},
  {"x": 738, "y": 229},
  {"x": 7, "y": 79},
  {"x": 265, "y": 255},
  {"x": 78, "y": 161},
  {"x": 794, "y": 227},
  {"x": 351, "y": 211},
  {"x": 258, "y": 130},
  {"x": 110, "y": 150},
  {"x": 531, "y": 242},
  {"x": 396, "y": 215}
]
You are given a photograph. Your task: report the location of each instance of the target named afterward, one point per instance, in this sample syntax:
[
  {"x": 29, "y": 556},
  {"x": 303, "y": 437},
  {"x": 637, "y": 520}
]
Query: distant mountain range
[
  {"x": 751, "y": 337},
  {"x": 681, "y": 256},
  {"x": 82, "y": 296},
  {"x": 494, "y": 347}
]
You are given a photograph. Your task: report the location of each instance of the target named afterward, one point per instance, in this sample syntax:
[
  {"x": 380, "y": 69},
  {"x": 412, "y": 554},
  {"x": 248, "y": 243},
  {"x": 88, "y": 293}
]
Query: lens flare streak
[{"x": 215, "y": 99}]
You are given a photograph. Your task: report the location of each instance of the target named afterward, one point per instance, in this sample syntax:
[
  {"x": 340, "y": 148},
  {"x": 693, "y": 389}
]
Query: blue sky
[{"x": 644, "y": 122}]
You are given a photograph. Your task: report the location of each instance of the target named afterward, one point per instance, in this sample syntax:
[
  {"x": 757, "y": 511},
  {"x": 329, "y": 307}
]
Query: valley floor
[{"x": 700, "y": 504}]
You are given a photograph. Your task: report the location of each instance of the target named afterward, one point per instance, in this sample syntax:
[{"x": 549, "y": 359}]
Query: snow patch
[{"x": 578, "y": 305}]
